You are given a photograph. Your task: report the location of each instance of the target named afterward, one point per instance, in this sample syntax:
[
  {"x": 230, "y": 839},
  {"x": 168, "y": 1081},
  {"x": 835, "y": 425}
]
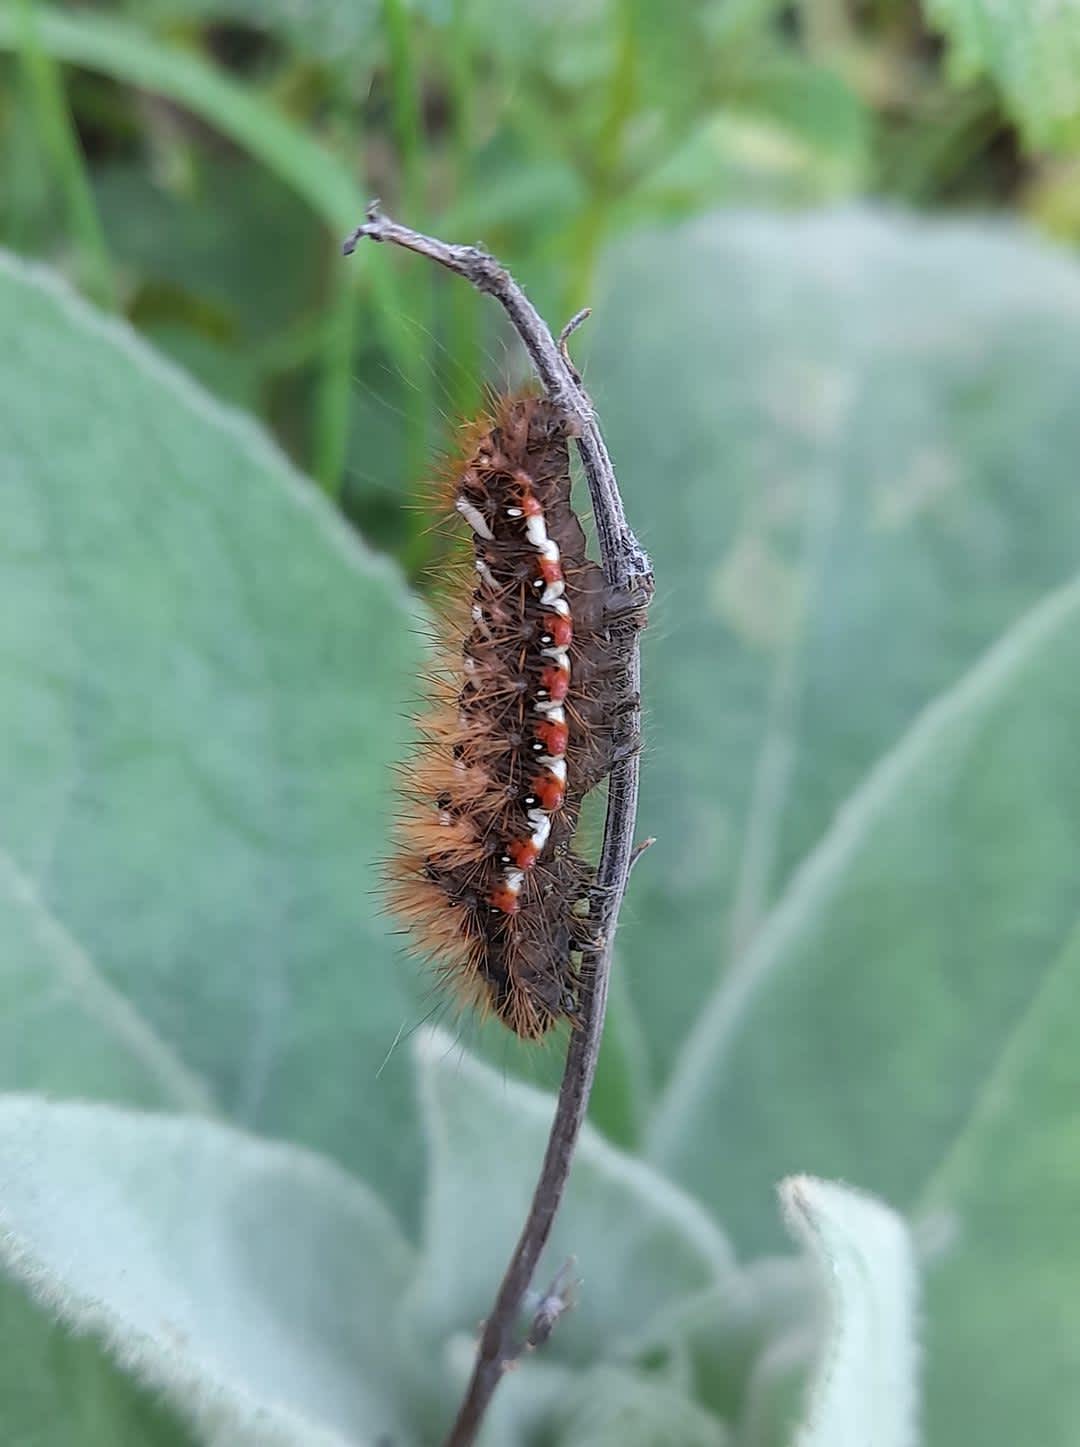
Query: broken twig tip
[{"x": 372, "y": 217}]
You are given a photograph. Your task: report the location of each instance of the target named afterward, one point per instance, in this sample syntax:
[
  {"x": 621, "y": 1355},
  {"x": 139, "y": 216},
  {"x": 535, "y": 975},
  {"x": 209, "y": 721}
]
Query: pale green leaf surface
[
  {"x": 1003, "y": 1321},
  {"x": 863, "y": 1024},
  {"x": 63, "y": 1027},
  {"x": 57, "y": 1389},
  {"x": 723, "y": 1334},
  {"x": 775, "y": 1389},
  {"x": 200, "y": 697},
  {"x": 545, "y": 1401},
  {"x": 611, "y": 1407},
  {"x": 869, "y": 1015},
  {"x": 639, "y": 1245},
  {"x": 864, "y": 1389},
  {"x": 1032, "y": 50},
  {"x": 252, "y": 1285},
  {"x": 846, "y": 440}
]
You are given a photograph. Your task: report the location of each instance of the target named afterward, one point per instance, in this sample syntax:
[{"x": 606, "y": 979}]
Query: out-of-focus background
[
  {"x": 193, "y": 164},
  {"x": 835, "y": 346}
]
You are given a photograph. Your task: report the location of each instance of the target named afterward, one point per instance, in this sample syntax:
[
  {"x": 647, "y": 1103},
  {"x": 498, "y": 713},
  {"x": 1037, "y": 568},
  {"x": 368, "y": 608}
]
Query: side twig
[{"x": 629, "y": 577}]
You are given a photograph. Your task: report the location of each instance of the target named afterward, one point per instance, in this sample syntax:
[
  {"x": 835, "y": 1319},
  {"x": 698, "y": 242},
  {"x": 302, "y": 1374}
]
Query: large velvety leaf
[
  {"x": 726, "y": 1339},
  {"x": 613, "y": 1408},
  {"x": 913, "y": 1002},
  {"x": 1031, "y": 50},
  {"x": 1003, "y": 1328},
  {"x": 864, "y": 1388},
  {"x": 63, "y": 1027},
  {"x": 200, "y": 696},
  {"x": 860, "y": 1029},
  {"x": 253, "y": 1285},
  {"x": 638, "y": 1244},
  {"x": 847, "y": 440},
  {"x": 57, "y": 1389}
]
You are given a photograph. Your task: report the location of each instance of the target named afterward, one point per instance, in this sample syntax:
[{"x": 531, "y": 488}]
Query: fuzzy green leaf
[
  {"x": 609, "y": 1407},
  {"x": 867, "y": 1032},
  {"x": 199, "y": 702},
  {"x": 252, "y": 1285},
  {"x": 57, "y": 1389},
  {"x": 861, "y": 1028},
  {"x": 863, "y": 1393},
  {"x": 847, "y": 441},
  {"x": 63, "y": 1027},
  {"x": 864, "y": 601},
  {"x": 1007, "y": 1291}
]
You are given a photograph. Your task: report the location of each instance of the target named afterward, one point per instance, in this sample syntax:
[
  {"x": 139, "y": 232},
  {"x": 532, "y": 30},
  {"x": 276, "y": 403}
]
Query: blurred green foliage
[
  {"x": 195, "y": 162},
  {"x": 847, "y": 433}
]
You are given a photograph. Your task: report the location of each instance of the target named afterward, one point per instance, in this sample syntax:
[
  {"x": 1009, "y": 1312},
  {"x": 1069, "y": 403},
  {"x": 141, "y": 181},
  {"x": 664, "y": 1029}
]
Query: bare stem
[{"x": 628, "y": 573}]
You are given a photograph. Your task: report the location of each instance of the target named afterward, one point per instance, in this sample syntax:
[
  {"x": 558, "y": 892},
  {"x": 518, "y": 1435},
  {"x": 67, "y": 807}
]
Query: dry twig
[{"x": 629, "y": 577}]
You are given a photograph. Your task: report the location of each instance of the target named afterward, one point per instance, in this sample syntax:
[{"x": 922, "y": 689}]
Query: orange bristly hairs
[{"x": 517, "y": 729}]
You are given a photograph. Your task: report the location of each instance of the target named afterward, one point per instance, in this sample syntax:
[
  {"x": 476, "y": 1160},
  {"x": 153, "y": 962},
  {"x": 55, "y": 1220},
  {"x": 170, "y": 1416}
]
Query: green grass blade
[
  {"x": 251, "y": 122},
  {"x": 61, "y": 144}
]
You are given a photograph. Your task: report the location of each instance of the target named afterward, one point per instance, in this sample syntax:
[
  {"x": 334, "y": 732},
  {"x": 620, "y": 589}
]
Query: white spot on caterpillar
[
  {"x": 475, "y": 518},
  {"x": 514, "y": 512},
  {"x": 477, "y": 613}
]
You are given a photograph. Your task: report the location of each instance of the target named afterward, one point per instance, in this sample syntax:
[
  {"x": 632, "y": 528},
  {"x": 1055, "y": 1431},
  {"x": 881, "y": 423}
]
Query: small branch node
[
  {"x": 559, "y": 1298},
  {"x": 565, "y": 335},
  {"x": 639, "y": 850},
  {"x": 572, "y": 325}
]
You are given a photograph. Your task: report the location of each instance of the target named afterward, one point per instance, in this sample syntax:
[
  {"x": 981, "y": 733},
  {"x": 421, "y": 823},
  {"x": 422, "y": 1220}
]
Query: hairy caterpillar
[{"x": 518, "y": 728}]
